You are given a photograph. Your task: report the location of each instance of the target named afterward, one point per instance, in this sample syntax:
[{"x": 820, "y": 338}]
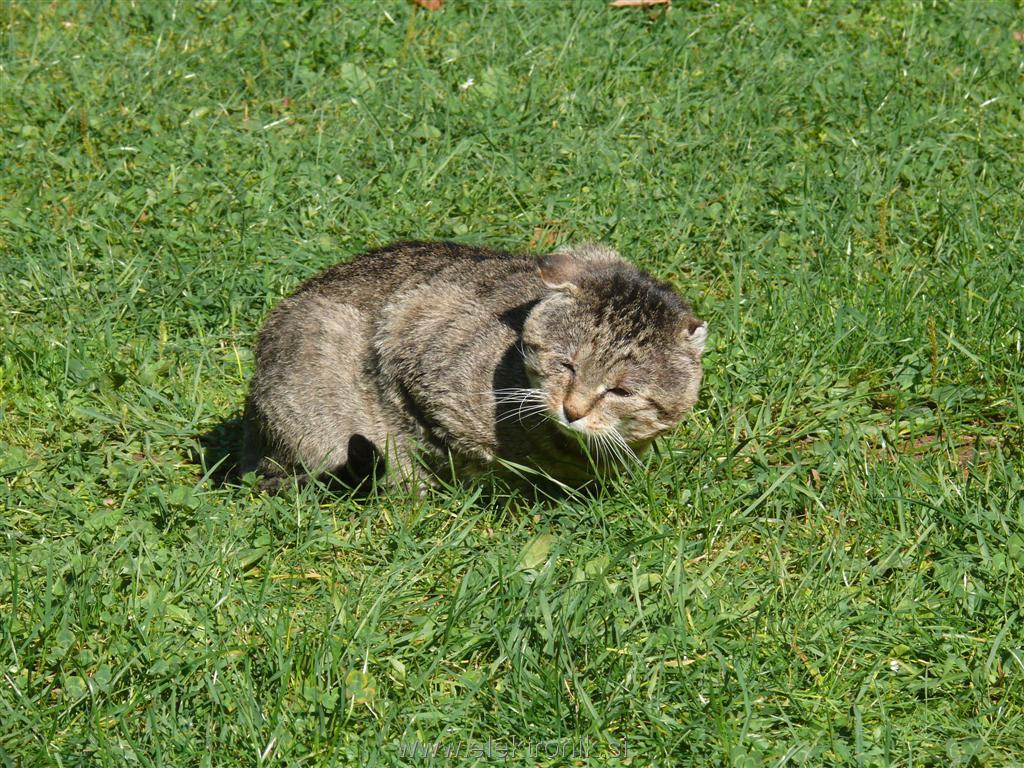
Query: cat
[{"x": 425, "y": 357}]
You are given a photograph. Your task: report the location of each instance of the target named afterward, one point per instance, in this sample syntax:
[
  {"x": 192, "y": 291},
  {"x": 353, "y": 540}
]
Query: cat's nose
[{"x": 574, "y": 411}]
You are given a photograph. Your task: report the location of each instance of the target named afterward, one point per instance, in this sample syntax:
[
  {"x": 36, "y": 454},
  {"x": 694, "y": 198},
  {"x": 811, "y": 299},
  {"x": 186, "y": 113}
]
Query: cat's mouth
[
  {"x": 580, "y": 426},
  {"x": 601, "y": 443}
]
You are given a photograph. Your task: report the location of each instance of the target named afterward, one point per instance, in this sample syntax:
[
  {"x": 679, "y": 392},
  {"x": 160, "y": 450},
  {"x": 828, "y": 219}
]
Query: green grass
[{"x": 822, "y": 567}]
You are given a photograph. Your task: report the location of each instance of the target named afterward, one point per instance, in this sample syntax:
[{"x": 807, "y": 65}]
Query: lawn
[{"x": 824, "y": 565}]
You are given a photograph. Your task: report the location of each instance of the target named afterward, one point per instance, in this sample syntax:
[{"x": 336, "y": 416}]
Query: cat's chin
[
  {"x": 579, "y": 432},
  {"x": 583, "y": 436},
  {"x": 569, "y": 429}
]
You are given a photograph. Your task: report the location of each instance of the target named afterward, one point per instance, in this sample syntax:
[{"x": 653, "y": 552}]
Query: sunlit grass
[{"x": 822, "y": 567}]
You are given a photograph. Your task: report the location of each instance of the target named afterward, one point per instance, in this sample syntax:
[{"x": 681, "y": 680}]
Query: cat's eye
[
  {"x": 619, "y": 392},
  {"x": 569, "y": 367}
]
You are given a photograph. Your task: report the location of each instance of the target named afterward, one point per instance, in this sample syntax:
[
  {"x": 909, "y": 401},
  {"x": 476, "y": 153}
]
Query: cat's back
[{"x": 369, "y": 280}]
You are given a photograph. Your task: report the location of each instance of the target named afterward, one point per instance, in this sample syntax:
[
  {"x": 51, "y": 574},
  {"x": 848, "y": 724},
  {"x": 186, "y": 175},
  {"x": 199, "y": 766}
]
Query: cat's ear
[
  {"x": 559, "y": 271},
  {"x": 694, "y": 334},
  {"x": 563, "y": 269}
]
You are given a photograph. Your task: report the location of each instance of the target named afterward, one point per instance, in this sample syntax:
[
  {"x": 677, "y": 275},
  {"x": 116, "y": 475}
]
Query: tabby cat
[{"x": 424, "y": 357}]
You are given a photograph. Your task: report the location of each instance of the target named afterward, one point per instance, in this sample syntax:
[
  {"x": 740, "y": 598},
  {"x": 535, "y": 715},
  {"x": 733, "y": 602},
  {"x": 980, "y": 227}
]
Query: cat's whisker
[
  {"x": 590, "y": 446},
  {"x": 603, "y": 450},
  {"x": 516, "y": 394},
  {"x": 517, "y": 399},
  {"x": 497, "y": 393},
  {"x": 591, "y": 450},
  {"x": 610, "y": 447},
  {"x": 544, "y": 413},
  {"x": 517, "y": 415},
  {"x": 613, "y": 451},
  {"x": 521, "y": 403},
  {"x": 535, "y": 407},
  {"x": 530, "y": 402},
  {"x": 519, "y": 396},
  {"x": 534, "y": 398},
  {"x": 627, "y": 451},
  {"x": 526, "y": 408}
]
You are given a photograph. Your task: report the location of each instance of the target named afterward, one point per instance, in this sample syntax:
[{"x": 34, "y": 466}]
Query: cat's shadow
[
  {"x": 218, "y": 451},
  {"x": 219, "y": 454}
]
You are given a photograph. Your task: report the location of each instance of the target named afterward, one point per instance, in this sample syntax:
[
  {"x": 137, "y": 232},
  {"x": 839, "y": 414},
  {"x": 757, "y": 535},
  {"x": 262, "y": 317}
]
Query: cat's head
[{"x": 611, "y": 349}]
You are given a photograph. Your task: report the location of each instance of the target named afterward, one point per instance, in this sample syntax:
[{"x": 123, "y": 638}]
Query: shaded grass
[{"x": 822, "y": 567}]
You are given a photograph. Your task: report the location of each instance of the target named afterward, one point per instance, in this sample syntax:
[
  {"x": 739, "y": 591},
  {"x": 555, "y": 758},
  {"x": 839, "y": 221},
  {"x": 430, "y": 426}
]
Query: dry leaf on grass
[
  {"x": 430, "y": 5},
  {"x": 638, "y": 3},
  {"x": 1018, "y": 36},
  {"x": 544, "y": 235}
]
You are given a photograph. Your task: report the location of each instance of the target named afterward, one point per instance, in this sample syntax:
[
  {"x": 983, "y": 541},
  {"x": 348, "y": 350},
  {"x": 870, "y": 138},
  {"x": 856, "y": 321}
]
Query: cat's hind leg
[{"x": 313, "y": 403}]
